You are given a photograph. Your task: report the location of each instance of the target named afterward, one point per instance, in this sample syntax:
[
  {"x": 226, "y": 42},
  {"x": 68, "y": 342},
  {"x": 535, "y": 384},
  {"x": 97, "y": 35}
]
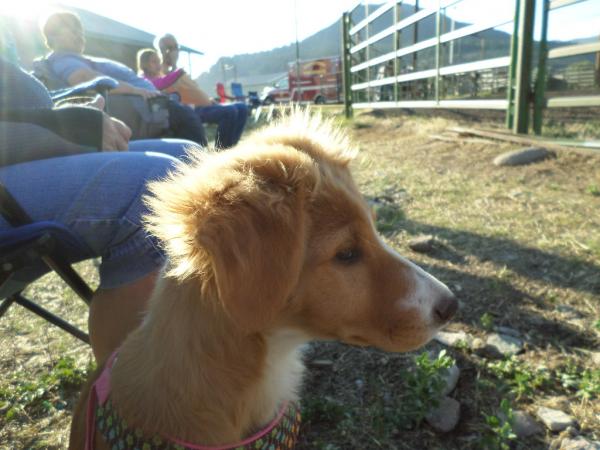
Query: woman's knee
[{"x": 242, "y": 109}]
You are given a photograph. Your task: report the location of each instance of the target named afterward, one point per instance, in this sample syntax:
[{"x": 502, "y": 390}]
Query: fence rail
[{"x": 423, "y": 58}]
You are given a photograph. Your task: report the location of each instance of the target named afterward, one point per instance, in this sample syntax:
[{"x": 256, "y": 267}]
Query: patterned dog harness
[{"x": 280, "y": 434}]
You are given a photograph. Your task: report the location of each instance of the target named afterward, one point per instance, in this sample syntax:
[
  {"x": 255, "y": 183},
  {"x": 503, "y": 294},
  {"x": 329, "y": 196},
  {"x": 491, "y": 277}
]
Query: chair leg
[
  {"x": 37, "y": 309},
  {"x": 71, "y": 277},
  {"x": 5, "y": 305}
]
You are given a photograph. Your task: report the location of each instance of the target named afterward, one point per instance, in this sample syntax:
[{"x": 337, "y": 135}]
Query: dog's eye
[{"x": 348, "y": 256}]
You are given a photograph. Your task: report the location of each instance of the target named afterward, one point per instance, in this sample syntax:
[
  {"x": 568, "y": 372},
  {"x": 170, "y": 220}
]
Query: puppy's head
[{"x": 278, "y": 232}]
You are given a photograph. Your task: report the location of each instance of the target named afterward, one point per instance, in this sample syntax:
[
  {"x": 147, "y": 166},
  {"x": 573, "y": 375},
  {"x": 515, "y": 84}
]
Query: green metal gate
[{"x": 401, "y": 55}]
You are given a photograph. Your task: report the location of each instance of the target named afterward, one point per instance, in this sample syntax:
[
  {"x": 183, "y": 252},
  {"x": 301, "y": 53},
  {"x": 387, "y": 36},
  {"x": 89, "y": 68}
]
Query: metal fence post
[
  {"x": 397, "y": 11},
  {"x": 510, "y": 88},
  {"x": 540, "y": 82},
  {"x": 523, "y": 70},
  {"x": 415, "y": 36},
  {"x": 346, "y": 61},
  {"x": 438, "y": 30},
  {"x": 368, "y": 55}
]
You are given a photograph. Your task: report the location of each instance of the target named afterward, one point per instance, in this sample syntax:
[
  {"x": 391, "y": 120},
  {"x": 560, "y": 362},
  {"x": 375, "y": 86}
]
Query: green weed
[
  {"x": 423, "y": 387},
  {"x": 520, "y": 379},
  {"x": 322, "y": 409},
  {"x": 585, "y": 383},
  {"x": 499, "y": 428},
  {"x": 389, "y": 218},
  {"x": 593, "y": 189},
  {"x": 487, "y": 321},
  {"x": 21, "y": 394}
]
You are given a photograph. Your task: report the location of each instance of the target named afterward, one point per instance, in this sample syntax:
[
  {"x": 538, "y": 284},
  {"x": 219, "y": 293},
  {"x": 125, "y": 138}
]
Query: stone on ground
[
  {"x": 445, "y": 417},
  {"x": 523, "y": 156},
  {"x": 554, "y": 419}
]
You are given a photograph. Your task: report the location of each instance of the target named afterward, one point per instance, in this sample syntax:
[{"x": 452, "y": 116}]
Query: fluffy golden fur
[{"x": 269, "y": 245}]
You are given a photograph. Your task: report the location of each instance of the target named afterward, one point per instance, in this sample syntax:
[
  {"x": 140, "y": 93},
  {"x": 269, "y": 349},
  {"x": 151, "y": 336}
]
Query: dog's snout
[{"x": 445, "y": 307}]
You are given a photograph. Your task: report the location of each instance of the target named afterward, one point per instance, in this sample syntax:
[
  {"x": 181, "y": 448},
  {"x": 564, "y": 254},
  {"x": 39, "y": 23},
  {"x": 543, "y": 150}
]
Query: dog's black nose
[{"x": 445, "y": 307}]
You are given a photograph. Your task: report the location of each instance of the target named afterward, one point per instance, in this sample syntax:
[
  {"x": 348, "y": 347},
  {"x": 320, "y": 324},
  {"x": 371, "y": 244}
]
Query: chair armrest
[{"x": 101, "y": 85}]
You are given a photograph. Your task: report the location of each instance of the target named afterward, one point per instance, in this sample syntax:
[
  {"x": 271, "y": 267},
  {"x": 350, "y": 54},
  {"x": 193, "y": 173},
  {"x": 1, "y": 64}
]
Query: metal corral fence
[{"x": 419, "y": 55}]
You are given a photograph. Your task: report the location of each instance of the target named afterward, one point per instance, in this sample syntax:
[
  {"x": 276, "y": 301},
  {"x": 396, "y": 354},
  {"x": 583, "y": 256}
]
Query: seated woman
[
  {"x": 230, "y": 119},
  {"x": 76, "y": 166},
  {"x": 69, "y": 65}
]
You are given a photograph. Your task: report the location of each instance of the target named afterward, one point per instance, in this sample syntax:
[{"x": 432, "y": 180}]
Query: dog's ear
[{"x": 254, "y": 234}]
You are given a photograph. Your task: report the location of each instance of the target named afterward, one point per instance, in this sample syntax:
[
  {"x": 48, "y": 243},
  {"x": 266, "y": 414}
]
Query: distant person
[
  {"x": 169, "y": 50},
  {"x": 178, "y": 81},
  {"x": 230, "y": 118},
  {"x": 64, "y": 35}
]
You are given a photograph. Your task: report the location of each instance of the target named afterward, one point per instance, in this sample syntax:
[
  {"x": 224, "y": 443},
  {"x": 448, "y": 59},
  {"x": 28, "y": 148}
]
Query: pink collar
[{"x": 282, "y": 430}]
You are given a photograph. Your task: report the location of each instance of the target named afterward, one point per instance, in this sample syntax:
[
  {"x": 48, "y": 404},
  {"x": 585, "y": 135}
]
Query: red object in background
[
  {"x": 221, "y": 93},
  {"x": 320, "y": 81}
]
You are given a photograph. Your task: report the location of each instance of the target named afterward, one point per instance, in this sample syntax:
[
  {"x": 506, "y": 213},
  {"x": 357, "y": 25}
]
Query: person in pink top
[{"x": 230, "y": 119}]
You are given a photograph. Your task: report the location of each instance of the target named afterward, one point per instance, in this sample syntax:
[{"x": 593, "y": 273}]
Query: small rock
[
  {"x": 524, "y": 425},
  {"x": 452, "y": 339},
  {"x": 359, "y": 383},
  {"x": 422, "y": 244},
  {"x": 579, "y": 443},
  {"x": 596, "y": 358},
  {"x": 503, "y": 345},
  {"x": 524, "y": 156},
  {"x": 554, "y": 419},
  {"x": 451, "y": 379},
  {"x": 445, "y": 417}
]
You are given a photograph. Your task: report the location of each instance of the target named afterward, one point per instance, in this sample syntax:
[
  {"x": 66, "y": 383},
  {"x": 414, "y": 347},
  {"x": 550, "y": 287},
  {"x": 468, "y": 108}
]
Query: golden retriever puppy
[{"x": 270, "y": 245}]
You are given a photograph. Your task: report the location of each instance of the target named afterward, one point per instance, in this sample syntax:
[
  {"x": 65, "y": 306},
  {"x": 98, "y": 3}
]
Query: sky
[
  {"x": 230, "y": 27},
  {"x": 216, "y": 27}
]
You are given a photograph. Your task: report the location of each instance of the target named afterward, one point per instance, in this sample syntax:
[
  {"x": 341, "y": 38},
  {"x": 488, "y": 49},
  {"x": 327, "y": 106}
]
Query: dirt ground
[{"x": 518, "y": 245}]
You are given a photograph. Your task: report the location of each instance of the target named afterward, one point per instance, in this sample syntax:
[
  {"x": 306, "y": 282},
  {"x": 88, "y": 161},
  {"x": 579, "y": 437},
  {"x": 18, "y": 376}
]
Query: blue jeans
[
  {"x": 230, "y": 121},
  {"x": 98, "y": 196},
  {"x": 184, "y": 124}
]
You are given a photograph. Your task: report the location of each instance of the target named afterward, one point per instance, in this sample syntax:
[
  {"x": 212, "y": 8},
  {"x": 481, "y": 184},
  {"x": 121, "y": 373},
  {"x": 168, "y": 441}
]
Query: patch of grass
[
  {"x": 499, "y": 428},
  {"x": 423, "y": 386},
  {"x": 523, "y": 381},
  {"x": 322, "y": 409},
  {"x": 388, "y": 218},
  {"x": 487, "y": 321},
  {"x": 27, "y": 394},
  {"x": 358, "y": 125},
  {"x": 593, "y": 189},
  {"x": 584, "y": 382},
  {"x": 518, "y": 377}
]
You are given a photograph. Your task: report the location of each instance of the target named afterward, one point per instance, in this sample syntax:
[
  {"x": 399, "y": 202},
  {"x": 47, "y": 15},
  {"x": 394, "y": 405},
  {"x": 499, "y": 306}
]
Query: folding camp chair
[
  {"x": 30, "y": 249},
  {"x": 222, "y": 95},
  {"x": 237, "y": 92},
  {"x": 100, "y": 85},
  {"x": 146, "y": 118},
  {"x": 253, "y": 99}
]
